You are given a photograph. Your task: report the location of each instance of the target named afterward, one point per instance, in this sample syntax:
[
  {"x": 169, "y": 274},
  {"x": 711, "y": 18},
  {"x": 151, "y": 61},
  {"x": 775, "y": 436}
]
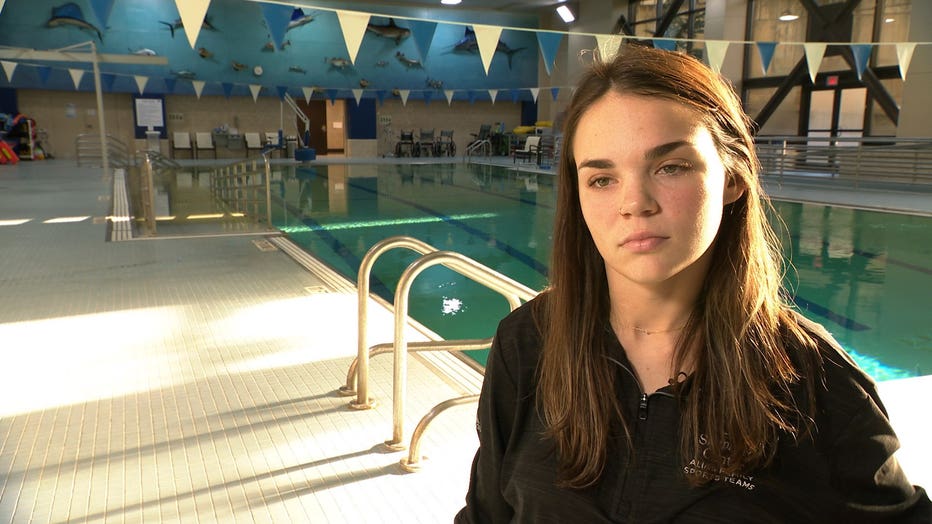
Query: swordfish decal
[
  {"x": 70, "y": 14},
  {"x": 469, "y": 44}
]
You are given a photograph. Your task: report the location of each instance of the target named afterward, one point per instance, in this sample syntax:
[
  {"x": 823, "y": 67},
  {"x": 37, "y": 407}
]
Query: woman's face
[{"x": 652, "y": 188}]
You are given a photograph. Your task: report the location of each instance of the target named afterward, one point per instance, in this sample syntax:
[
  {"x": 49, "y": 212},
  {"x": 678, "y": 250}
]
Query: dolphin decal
[
  {"x": 469, "y": 44},
  {"x": 390, "y": 31},
  {"x": 70, "y": 14}
]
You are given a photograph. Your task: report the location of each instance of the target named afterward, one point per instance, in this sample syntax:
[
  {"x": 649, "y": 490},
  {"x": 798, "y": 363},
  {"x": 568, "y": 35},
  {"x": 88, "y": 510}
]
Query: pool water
[{"x": 866, "y": 276}]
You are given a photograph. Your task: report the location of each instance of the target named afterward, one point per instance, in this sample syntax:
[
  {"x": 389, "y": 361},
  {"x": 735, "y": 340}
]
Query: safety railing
[
  {"x": 513, "y": 291},
  {"x": 89, "y": 151},
  {"x": 241, "y": 186},
  {"x": 852, "y": 161},
  {"x": 147, "y": 191}
]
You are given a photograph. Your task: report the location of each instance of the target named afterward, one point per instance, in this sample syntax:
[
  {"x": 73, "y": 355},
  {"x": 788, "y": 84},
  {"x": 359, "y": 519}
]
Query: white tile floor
[{"x": 193, "y": 380}]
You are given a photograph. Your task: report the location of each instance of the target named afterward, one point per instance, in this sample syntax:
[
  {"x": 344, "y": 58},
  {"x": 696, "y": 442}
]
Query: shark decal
[
  {"x": 390, "y": 31},
  {"x": 70, "y": 14}
]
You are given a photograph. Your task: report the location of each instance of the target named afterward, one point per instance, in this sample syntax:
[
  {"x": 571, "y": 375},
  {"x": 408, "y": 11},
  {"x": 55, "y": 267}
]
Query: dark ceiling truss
[{"x": 830, "y": 33}]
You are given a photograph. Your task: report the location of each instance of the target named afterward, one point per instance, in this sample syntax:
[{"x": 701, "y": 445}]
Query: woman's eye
[
  {"x": 673, "y": 169},
  {"x": 600, "y": 182}
]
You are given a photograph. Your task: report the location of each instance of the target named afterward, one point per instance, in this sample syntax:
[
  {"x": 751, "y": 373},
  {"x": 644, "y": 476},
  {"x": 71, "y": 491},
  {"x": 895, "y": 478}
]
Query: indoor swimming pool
[{"x": 862, "y": 274}]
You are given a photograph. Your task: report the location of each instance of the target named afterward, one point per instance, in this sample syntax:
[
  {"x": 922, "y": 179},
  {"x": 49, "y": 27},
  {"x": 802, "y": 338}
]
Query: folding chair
[
  {"x": 253, "y": 142},
  {"x": 530, "y": 149},
  {"x": 181, "y": 141},
  {"x": 204, "y": 142}
]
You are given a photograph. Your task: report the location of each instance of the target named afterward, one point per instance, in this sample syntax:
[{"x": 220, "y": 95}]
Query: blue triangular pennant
[
  {"x": 332, "y": 96},
  {"x": 380, "y": 96},
  {"x": 44, "y": 72},
  {"x": 170, "y": 84},
  {"x": 423, "y": 33},
  {"x": 106, "y": 81},
  {"x": 554, "y": 92},
  {"x": 665, "y": 43},
  {"x": 549, "y": 44},
  {"x": 427, "y": 96},
  {"x": 277, "y": 17},
  {"x": 227, "y": 89},
  {"x": 282, "y": 90},
  {"x": 765, "y": 50},
  {"x": 471, "y": 95},
  {"x": 862, "y": 53},
  {"x": 102, "y": 10}
]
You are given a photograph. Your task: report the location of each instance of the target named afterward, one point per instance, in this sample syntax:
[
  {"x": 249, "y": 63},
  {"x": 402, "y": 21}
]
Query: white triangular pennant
[
  {"x": 141, "y": 82},
  {"x": 357, "y": 94},
  {"x": 404, "y": 96},
  {"x": 254, "y": 89},
  {"x": 534, "y": 92},
  {"x": 308, "y": 93},
  {"x": 76, "y": 76},
  {"x": 8, "y": 68},
  {"x": 492, "y": 94},
  {"x": 353, "y": 25},
  {"x": 449, "y": 94},
  {"x": 814, "y": 54},
  {"x": 487, "y": 37},
  {"x": 198, "y": 87},
  {"x": 192, "y": 17},
  {"x": 1, "y": 5},
  {"x": 608, "y": 46},
  {"x": 715, "y": 51},
  {"x": 904, "y": 54}
]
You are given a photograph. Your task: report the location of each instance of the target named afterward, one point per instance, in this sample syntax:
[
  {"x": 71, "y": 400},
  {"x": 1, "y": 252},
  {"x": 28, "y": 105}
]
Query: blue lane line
[
  {"x": 841, "y": 320},
  {"x": 894, "y": 262},
  {"x": 511, "y": 251}
]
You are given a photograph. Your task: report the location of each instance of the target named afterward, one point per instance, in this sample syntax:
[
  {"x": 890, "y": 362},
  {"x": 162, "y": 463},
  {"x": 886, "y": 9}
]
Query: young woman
[{"x": 662, "y": 377}]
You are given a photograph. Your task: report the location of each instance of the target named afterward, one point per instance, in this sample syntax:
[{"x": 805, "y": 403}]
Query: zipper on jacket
[{"x": 642, "y": 407}]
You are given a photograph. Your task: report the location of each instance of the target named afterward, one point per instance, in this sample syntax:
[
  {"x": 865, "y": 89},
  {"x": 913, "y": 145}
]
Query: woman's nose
[{"x": 637, "y": 198}]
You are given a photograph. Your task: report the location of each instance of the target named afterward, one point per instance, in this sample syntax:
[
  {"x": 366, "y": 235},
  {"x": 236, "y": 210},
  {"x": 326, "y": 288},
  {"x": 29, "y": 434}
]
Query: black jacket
[{"x": 845, "y": 473}]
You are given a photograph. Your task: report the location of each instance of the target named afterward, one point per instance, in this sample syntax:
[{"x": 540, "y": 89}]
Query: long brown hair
[{"x": 739, "y": 396}]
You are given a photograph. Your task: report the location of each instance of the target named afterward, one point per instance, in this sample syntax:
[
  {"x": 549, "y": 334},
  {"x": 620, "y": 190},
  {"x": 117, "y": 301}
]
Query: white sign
[{"x": 149, "y": 113}]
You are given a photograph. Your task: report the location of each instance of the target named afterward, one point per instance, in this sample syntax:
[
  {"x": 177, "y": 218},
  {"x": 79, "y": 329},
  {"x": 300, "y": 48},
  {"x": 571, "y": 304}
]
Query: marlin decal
[
  {"x": 178, "y": 24},
  {"x": 469, "y": 44},
  {"x": 390, "y": 31},
  {"x": 298, "y": 18},
  {"x": 408, "y": 62},
  {"x": 70, "y": 14}
]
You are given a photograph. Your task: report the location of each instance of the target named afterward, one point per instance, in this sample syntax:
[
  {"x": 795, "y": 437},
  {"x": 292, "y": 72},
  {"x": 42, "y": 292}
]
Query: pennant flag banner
[
  {"x": 9, "y": 67},
  {"x": 403, "y": 93},
  {"x": 332, "y": 96},
  {"x": 608, "y": 46},
  {"x": 423, "y": 34},
  {"x": 904, "y": 54},
  {"x": 227, "y": 89},
  {"x": 357, "y": 94},
  {"x": 277, "y": 17},
  {"x": 170, "y": 84},
  {"x": 308, "y": 93},
  {"x": 492, "y": 94},
  {"x": 254, "y": 89},
  {"x": 102, "y": 10},
  {"x": 353, "y": 25},
  {"x": 106, "y": 81},
  {"x": 514, "y": 96},
  {"x": 814, "y": 53},
  {"x": 44, "y": 72},
  {"x": 281, "y": 90},
  {"x": 141, "y": 82},
  {"x": 449, "y": 94},
  {"x": 192, "y": 17},
  {"x": 765, "y": 50},
  {"x": 380, "y": 96},
  {"x": 665, "y": 43},
  {"x": 554, "y": 92},
  {"x": 198, "y": 87},
  {"x": 1, "y": 5},
  {"x": 471, "y": 95},
  {"x": 549, "y": 43},
  {"x": 76, "y": 75},
  {"x": 715, "y": 52},
  {"x": 487, "y": 38},
  {"x": 535, "y": 91},
  {"x": 862, "y": 53},
  {"x": 427, "y": 96}
]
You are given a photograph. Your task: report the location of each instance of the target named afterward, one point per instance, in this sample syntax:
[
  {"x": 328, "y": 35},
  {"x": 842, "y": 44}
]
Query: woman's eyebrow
[
  {"x": 597, "y": 163},
  {"x": 661, "y": 150}
]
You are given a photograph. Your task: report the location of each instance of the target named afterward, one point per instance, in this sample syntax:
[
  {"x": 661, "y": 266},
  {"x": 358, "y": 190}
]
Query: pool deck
[{"x": 194, "y": 379}]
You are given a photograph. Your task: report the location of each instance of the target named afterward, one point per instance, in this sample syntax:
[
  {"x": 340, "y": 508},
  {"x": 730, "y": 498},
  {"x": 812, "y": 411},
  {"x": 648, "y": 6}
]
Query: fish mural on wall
[
  {"x": 390, "y": 31},
  {"x": 70, "y": 15},
  {"x": 408, "y": 62},
  {"x": 178, "y": 24},
  {"x": 469, "y": 44},
  {"x": 298, "y": 19}
]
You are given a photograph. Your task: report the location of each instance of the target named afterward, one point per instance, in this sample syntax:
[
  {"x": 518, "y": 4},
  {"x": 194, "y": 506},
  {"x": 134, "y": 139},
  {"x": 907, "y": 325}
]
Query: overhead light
[
  {"x": 787, "y": 17},
  {"x": 450, "y": 2},
  {"x": 888, "y": 20},
  {"x": 565, "y": 14}
]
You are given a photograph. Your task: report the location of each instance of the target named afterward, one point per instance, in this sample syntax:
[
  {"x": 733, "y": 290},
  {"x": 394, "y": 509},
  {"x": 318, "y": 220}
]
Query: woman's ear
[{"x": 733, "y": 189}]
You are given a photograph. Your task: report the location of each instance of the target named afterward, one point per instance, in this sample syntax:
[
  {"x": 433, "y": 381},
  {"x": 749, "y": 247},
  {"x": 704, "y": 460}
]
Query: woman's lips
[{"x": 641, "y": 242}]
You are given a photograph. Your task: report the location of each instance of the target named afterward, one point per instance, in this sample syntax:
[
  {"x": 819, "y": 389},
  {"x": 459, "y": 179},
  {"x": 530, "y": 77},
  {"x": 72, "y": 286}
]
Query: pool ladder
[{"x": 513, "y": 291}]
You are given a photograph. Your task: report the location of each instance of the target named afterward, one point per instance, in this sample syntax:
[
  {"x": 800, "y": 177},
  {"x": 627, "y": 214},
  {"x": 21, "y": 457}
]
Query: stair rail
[{"x": 89, "y": 151}]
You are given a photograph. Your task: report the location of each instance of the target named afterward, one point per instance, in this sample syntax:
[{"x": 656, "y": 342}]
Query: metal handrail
[
  {"x": 90, "y": 152},
  {"x": 147, "y": 188},
  {"x": 513, "y": 291},
  {"x": 413, "y": 462},
  {"x": 230, "y": 183}
]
